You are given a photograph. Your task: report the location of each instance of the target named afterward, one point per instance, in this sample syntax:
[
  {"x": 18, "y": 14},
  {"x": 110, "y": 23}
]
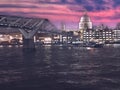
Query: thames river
[{"x": 60, "y": 68}]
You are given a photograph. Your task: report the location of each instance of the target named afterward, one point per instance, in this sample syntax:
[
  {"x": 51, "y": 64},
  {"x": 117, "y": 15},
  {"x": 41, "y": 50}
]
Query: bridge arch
[{"x": 27, "y": 26}]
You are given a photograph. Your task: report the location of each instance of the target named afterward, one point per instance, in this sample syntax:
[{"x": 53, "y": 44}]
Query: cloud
[{"x": 105, "y": 11}]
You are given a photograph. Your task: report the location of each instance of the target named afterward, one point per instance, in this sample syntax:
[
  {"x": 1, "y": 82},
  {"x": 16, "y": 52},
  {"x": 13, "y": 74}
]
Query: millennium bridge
[{"x": 27, "y": 26}]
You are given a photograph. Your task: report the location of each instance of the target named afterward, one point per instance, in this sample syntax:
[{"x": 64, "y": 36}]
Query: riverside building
[
  {"x": 99, "y": 34},
  {"x": 85, "y": 27}
]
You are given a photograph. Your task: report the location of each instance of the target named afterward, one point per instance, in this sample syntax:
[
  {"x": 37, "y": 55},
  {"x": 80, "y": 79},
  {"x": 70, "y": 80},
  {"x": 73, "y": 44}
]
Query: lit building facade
[
  {"x": 117, "y": 35},
  {"x": 99, "y": 34},
  {"x": 87, "y": 35},
  {"x": 85, "y": 27},
  {"x": 11, "y": 38},
  {"x": 103, "y": 35}
]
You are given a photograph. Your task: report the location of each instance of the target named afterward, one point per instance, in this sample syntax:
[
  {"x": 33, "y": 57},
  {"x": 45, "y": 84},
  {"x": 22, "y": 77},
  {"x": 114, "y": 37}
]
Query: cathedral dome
[
  {"x": 85, "y": 18},
  {"x": 85, "y": 22}
]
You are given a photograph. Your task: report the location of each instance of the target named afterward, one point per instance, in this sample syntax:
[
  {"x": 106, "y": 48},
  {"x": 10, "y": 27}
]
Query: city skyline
[{"x": 67, "y": 11}]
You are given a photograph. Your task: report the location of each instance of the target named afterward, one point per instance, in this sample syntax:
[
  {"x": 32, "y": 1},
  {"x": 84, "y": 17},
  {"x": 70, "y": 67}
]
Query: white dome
[
  {"x": 85, "y": 22},
  {"x": 85, "y": 18}
]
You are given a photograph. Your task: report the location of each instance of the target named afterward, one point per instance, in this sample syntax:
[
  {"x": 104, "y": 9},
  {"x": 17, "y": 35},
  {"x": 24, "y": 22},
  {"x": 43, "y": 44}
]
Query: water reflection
[
  {"x": 28, "y": 64},
  {"x": 60, "y": 68},
  {"x": 113, "y": 45}
]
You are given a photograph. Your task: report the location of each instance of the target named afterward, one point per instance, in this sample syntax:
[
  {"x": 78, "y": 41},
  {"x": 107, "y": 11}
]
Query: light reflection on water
[{"x": 59, "y": 68}]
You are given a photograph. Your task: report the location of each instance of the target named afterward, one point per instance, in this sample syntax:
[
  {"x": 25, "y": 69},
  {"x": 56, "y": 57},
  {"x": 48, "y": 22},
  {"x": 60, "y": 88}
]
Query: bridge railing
[{"x": 28, "y": 24}]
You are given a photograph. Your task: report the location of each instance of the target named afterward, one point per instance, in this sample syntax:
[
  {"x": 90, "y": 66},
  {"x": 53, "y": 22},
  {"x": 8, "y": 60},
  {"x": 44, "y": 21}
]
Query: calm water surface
[{"x": 60, "y": 68}]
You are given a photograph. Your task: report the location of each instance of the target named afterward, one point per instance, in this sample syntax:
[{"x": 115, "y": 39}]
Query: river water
[{"x": 60, "y": 68}]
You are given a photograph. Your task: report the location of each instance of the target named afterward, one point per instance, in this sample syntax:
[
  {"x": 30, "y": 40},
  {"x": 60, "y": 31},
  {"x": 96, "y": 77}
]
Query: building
[
  {"x": 99, "y": 34},
  {"x": 85, "y": 27},
  {"x": 85, "y": 22},
  {"x": 103, "y": 35},
  {"x": 117, "y": 35}
]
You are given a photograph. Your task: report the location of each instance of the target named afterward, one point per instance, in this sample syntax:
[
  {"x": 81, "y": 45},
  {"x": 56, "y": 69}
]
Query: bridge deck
[{"x": 13, "y": 23}]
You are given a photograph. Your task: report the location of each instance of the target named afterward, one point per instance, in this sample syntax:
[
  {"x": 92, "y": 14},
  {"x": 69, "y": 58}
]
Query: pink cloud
[{"x": 62, "y": 12}]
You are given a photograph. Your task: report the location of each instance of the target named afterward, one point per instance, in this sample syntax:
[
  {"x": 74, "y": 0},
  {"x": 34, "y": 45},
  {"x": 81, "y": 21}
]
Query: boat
[
  {"x": 98, "y": 45},
  {"x": 94, "y": 45}
]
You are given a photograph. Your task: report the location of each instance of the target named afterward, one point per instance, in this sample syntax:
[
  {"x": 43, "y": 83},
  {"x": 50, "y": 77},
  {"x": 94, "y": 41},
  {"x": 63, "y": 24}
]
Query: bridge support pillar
[
  {"x": 28, "y": 37},
  {"x": 28, "y": 45}
]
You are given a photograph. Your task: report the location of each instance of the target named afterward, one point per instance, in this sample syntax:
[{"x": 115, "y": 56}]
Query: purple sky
[{"x": 67, "y": 11}]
